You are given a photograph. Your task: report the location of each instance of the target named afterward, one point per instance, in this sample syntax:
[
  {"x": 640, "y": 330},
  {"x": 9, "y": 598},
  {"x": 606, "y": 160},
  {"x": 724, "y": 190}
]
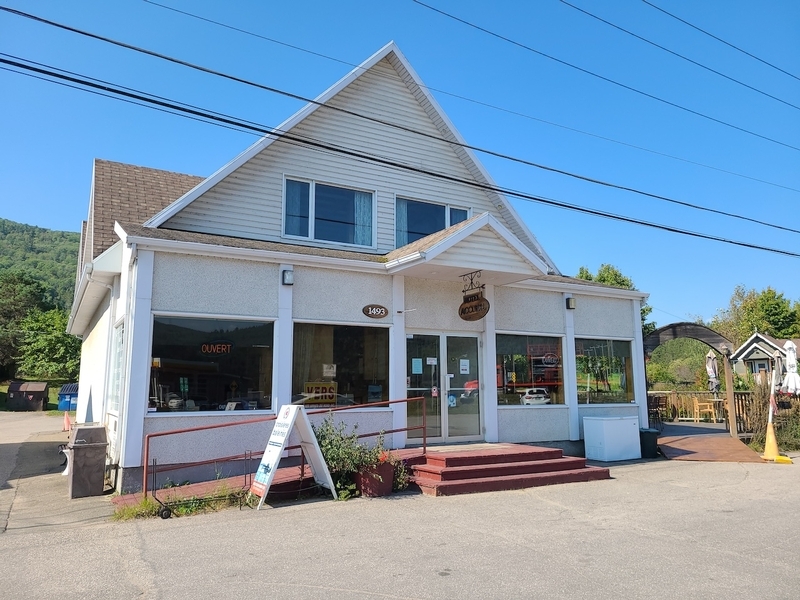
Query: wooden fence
[{"x": 680, "y": 407}]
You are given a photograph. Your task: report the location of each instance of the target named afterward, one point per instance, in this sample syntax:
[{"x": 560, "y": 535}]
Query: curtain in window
[
  {"x": 401, "y": 223},
  {"x": 297, "y": 208},
  {"x": 303, "y": 348},
  {"x": 362, "y": 205}
]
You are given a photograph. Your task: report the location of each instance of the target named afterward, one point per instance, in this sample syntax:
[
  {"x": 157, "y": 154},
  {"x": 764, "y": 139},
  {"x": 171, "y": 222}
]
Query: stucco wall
[
  {"x": 434, "y": 305},
  {"x": 227, "y": 441},
  {"x": 201, "y": 284},
  {"x": 92, "y": 376},
  {"x": 328, "y": 295},
  {"x": 519, "y": 309},
  {"x": 595, "y": 316},
  {"x": 533, "y": 423}
]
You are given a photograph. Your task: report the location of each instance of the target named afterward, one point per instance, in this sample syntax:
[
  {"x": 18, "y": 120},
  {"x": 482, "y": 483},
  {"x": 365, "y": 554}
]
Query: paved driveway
[{"x": 659, "y": 529}]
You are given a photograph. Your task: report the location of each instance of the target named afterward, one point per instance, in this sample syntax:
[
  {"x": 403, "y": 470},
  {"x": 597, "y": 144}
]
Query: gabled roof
[
  {"x": 764, "y": 342},
  {"x": 122, "y": 192},
  {"x": 448, "y": 131},
  {"x": 480, "y": 243}
]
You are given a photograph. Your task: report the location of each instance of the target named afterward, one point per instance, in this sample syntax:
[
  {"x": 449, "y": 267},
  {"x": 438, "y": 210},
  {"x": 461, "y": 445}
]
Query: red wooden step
[
  {"x": 439, "y": 473},
  {"x": 461, "y": 458},
  {"x": 510, "y": 482}
]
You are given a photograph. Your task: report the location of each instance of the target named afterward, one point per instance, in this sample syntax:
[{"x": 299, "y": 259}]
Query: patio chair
[
  {"x": 704, "y": 407},
  {"x": 654, "y": 414}
]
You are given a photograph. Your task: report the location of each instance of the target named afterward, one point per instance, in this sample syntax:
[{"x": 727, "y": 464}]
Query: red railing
[{"x": 149, "y": 436}]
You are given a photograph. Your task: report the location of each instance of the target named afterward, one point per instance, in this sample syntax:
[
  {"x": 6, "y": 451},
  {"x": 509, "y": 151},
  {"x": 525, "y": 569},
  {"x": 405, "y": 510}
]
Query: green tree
[
  {"x": 767, "y": 311},
  {"x": 20, "y": 293},
  {"x": 610, "y": 275},
  {"x": 48, "y": 352}
]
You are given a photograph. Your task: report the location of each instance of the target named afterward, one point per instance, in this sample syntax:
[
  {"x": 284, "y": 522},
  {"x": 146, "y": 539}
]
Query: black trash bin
[
  {"x": 648, "y": 438},
  {"x": 87, "y": 460}
]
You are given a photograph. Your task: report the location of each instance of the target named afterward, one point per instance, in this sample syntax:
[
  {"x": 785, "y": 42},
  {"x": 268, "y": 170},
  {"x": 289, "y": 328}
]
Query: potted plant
[{"x": 356, "y": 467}]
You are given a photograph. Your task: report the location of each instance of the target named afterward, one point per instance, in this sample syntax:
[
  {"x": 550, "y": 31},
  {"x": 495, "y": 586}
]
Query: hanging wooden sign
[{"x": 474, "y": 307}]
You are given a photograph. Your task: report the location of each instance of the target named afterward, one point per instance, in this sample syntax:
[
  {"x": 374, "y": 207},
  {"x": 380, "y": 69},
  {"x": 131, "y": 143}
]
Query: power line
[
  {"x": 603, "y": 78},
  {"x": 471, "y": 100},
  {"x": 719, "y": 39},
  {"x": 397, "y": 126},
  {"x": 316, "y": 144},
  {"x": 686, "y": 58}
]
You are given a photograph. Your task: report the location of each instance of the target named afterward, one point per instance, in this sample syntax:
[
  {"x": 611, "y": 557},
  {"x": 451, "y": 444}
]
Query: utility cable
[
  {"x": 471, "y": 100},
  {"x": 316, "y": 144},
  {"x": 686, "y": 58},
  {"x": 452, "y": 142},
  {"x": 606, "y": 79},
  {"x": 719, "y": 39}
]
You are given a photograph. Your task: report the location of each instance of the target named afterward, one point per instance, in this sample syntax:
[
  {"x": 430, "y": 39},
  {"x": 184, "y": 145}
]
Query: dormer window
[
  {"x": 414, "y": 219},
  {"x": 318, "y": 211}
]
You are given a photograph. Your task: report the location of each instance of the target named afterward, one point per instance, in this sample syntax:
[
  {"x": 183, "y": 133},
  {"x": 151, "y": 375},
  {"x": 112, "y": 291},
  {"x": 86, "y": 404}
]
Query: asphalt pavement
[{"x": 658, "y": 529}]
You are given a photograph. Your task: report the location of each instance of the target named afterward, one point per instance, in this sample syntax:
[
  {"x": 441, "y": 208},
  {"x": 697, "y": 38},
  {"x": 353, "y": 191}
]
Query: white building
[{"x": 302, "y": 272}]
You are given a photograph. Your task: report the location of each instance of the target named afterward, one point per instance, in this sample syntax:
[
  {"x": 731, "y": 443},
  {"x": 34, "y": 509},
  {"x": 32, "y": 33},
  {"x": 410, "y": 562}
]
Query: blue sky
[{"x": 51, "y": 134}]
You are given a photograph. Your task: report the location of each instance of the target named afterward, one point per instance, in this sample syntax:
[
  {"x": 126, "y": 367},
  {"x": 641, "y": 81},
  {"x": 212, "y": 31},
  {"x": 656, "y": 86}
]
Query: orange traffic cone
[{"x": 67, "y": 422}]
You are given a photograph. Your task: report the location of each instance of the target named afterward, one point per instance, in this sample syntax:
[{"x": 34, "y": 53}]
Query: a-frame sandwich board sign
[{"x": 291, "y": 416}]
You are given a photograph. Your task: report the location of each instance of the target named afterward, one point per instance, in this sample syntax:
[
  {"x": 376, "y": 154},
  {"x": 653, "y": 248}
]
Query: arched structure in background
[
  {"x": 686, "y": 330},
  {"x": 710, "y": 338}
]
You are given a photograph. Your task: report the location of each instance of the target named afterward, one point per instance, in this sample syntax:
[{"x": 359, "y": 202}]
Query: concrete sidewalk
[{"x": 34, "y": 495}]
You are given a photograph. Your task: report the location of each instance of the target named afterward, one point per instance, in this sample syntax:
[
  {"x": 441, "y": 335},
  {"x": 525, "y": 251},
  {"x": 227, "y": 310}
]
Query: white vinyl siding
[{"x": 248, "y": 203}]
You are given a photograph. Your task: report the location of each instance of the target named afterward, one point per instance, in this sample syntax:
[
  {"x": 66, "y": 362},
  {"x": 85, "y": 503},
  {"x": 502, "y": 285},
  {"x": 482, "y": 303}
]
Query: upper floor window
[
  {"x": 336, "y": 214},
  {"x": 415, "y": 219}
]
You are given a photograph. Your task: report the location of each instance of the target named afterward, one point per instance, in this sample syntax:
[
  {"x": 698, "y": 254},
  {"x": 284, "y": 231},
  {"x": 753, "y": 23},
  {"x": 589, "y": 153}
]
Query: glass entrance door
[{"x": 444, "y": 370}]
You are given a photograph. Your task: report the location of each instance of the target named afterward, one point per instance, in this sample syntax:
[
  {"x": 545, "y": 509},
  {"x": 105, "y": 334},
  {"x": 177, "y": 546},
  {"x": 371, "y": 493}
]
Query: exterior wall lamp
[
  {"x": 571, "y": 303},
  {"x": 287, "y": 277}
]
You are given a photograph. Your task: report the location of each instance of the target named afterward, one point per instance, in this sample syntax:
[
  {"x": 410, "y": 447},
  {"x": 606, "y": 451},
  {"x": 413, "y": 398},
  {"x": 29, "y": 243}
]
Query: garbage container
[
  {"x": 648, "y": 439},
  {"x": 87, "y": 460}
]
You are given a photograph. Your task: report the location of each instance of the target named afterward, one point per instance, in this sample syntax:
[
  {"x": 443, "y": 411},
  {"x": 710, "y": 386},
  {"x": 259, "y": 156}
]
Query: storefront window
[
  {"x": 210, "y": 364},
  {"x": 339, "y": 365},
  {"x": 604, "y": 371},
  {"x": 529, "y": 370}
]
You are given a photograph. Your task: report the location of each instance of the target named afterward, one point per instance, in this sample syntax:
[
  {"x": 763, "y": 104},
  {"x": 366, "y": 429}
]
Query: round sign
[{"x": 375, "y": 311}]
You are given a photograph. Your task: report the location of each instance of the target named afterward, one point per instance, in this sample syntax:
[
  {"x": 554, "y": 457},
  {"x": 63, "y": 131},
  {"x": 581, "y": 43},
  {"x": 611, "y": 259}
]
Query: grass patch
[{"x": 220, "y": 498}]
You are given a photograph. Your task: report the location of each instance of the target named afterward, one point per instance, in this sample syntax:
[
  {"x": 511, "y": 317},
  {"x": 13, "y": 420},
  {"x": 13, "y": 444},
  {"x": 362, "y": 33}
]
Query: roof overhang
[
  {"x": 759, "y": 341},
  {"x": 96, "y": 282},
  {"x": 480, "y": 244}
]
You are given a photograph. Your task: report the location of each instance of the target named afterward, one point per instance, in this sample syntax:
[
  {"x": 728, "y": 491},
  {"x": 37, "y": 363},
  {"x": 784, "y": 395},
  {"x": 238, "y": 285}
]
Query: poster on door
[{"x": 464, "y": 366}]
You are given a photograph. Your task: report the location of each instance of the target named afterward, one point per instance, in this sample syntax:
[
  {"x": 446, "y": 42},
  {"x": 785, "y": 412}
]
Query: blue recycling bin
[{"x": 68, "y": 396}]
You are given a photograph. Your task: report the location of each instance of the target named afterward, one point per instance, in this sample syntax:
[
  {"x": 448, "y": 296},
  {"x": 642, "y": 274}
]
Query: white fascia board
[
  {"x": 484, "y": 220},
  {"x": 405, "y": 261},
  {"x": 110, "y": 261},
  {"x": 170, "y": 211},
  {"x": 584, "y": 290},
  {"x": 201, "y": 249},
  {"x": 80, "y": 292},
  {"x": 472, "y": 157}
]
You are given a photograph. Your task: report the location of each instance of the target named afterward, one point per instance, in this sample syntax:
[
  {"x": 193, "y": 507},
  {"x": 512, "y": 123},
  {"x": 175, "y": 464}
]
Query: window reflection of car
[
  {"x": 471, "y": 392},
  {"x": 322, "y": 399},
  {"x": 533, "y": 396}
]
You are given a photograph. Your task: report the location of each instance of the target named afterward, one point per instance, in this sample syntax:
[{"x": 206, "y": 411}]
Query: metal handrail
[{"x": 156, "y": 434}]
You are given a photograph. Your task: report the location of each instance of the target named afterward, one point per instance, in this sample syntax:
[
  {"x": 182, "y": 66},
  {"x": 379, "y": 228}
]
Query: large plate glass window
[
  {"x": 210, "y": 364},
  {"x": 529, "y": 370},
  {"x": 336, "y": 214},
  {"x": 604, "y": 371},
  {"x": 339, "y": 365},
  {"x": 414, "y": 219}
]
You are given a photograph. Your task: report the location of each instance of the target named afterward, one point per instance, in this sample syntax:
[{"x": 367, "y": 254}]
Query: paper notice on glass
[
  {"x": 464, "y": 366},
  {"x": 416, "y": 366},
  {"x": 328, "y": 370},
  {"x": 432, "y": 360}
]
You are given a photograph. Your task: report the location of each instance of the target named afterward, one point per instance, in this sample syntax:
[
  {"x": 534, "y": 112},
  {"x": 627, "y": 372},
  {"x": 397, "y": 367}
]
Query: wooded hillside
[{"x": 51, "y": 257}]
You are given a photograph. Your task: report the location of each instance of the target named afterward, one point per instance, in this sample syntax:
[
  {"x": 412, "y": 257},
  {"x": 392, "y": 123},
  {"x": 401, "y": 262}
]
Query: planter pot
[{"x": 376, "y": 481}]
